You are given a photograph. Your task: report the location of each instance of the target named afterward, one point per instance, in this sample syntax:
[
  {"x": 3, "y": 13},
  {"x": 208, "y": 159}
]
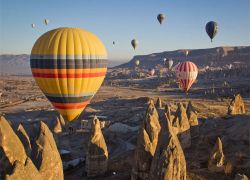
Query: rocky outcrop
[
  {"x": 146, "y": 144},
  {"x": 217, "y": 159},
  {"x": 57, "y": 128},
  {"x": 169, "y": 160},
  {"x": 158, "y": 103},
  {"x": 181, "y": 126},
  {"x": 236, "y": 106},
  {"x": 24, "y": 171},
  {"x": 168, "y": 113},
  {"x": 62, "y": 121},
  {"x": 23, "y": 136},
  {"x": 192, "y": 115},
  {"x": 240, "y": 177},
  {"x": 46, "y": 156},
  {"x": 11, "y": 148},
  {"x": 97, "y": 152}
]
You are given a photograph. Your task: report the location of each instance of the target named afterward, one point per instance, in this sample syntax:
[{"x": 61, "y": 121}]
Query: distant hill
[
  {"x": 218, "y": 56},
  {"x": 15, "y": 64}
]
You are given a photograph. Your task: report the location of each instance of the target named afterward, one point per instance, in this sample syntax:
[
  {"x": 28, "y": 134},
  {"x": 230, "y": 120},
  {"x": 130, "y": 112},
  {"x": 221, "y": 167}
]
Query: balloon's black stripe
[
  {"x": 69, "y": 99},
  {"x": 68, "y": 64}
]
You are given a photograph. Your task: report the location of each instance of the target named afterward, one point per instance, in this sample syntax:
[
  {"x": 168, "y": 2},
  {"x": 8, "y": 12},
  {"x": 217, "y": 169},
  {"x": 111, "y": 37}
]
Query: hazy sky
[{"x": 123, "y": 20}]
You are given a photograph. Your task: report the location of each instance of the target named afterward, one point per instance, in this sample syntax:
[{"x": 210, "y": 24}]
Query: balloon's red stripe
[
  {"x": 82, "y": 75},
  {"x": 70, "y": 106}
]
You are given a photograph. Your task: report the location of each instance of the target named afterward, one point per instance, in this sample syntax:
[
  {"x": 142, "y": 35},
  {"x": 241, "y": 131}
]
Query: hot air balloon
[
  {"x": 212, "y": 29},
  {"x": 33, "y": 25},
  {"x": 169, "y": 63},
  {"x": 46, "y": 21},
  {"x": 160, "y": 18},
  {"x": 69, "y": 66},
  {"x": 137, "y": 62},
  {"x": 134, "y": 43},
  {"x": 186, "y": 74},
  {"x": 151, "y": 72},
  {"x": 113, "y": 42}
]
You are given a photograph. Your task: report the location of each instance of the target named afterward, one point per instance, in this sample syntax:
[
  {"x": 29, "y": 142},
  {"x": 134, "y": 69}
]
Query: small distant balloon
[
  {"x": 46, "y": 21},
  {"x": 113, "y": 42},
  {"x": 137, "y": 62},
  {"x": 169, "y": 63},
  {"x": 134, "y": 43},
  {"x": 212, "y": 29},
  {"x": 33, "y": 25},
  {"x": 160, "y": 18}
]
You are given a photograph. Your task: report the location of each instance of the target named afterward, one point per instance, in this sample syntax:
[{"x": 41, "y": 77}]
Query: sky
[{"x": 123, "y": 20}]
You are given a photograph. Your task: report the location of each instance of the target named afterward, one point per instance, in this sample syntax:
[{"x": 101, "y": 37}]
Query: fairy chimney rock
[
  {"x": 11, "y": 146},
  {"x": 46, "y": 156},
  {"x": 169, "y": 160},
  {"x": 181, "y": 126},
  {"x": 23, "y": 136},
  {"x": 217, "y": 159},
  {"x": 146, "y": 144},
  {"x": 97, "y": 152},
  {"x": 192, "y": 115},
  {"x": 236, "y": 106},
  {"x": 158, "y": 103},
  {"x": 57, "y": 128}
]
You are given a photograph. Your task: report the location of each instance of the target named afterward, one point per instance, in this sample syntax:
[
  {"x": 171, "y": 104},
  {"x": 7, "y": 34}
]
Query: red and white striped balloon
[{"x": 186, "y": 73}]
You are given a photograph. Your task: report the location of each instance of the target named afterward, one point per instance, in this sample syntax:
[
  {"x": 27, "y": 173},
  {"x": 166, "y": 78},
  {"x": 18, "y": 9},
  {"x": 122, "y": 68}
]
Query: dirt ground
[{"x": 22, "y": 101}]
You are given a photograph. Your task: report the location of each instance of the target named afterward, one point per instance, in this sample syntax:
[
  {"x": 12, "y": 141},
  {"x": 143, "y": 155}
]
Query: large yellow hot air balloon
[{"x": 69, "y": 65}]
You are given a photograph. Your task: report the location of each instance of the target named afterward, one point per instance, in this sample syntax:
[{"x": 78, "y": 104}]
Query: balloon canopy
[
  {"x": 186, "y": 74},
  {"x": 160, "y": 18},
  {"x": 46, "y": 21},
  {"x": 137, "y": 62},
  {"x": 69, "y": 66},
  {"x": 212, "y": 29},
  {"x": 134, "y": 43}
]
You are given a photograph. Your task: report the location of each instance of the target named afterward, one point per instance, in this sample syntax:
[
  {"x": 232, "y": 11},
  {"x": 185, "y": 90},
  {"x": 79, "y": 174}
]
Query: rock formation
[
  {"x": 46, "y": 156},
  {"x": 169, "y": 160},
  {"x": 192, "y": 115},
  {"x": 158, "y": 103},
  {"x": 181, "y": 126},
  {"x": 240, "y": 177},
  {"x": 217, "y": 159},
  {"x": 62, "y": 121},
  {"x": 57, "y": 128},
  {"x": 236, "y": 106},
  {"x": 168, "y": 113},
  {"x": 11, "y": 148},
  {"x": 146, "y": 144},
  {"x": 23, "y": 136},
  {"x": 24, "y": 171},
  {"x": 97, "y": 153}
]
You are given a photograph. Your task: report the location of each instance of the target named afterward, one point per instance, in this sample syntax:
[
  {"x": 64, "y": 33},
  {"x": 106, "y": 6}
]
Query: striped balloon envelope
[
  {"x": 186, "y": 74},
  {"x": 69, "y": 66}
]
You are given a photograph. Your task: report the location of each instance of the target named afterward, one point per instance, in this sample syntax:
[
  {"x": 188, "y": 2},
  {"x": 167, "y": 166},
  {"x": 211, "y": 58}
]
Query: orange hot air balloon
[
  {"x": 186, "y": 74},
  {"x": 69, "y": 66}
]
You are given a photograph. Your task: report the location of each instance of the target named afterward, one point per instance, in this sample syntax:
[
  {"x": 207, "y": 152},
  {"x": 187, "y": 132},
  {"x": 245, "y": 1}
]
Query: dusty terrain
[{"x": 124, "y": 101}]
